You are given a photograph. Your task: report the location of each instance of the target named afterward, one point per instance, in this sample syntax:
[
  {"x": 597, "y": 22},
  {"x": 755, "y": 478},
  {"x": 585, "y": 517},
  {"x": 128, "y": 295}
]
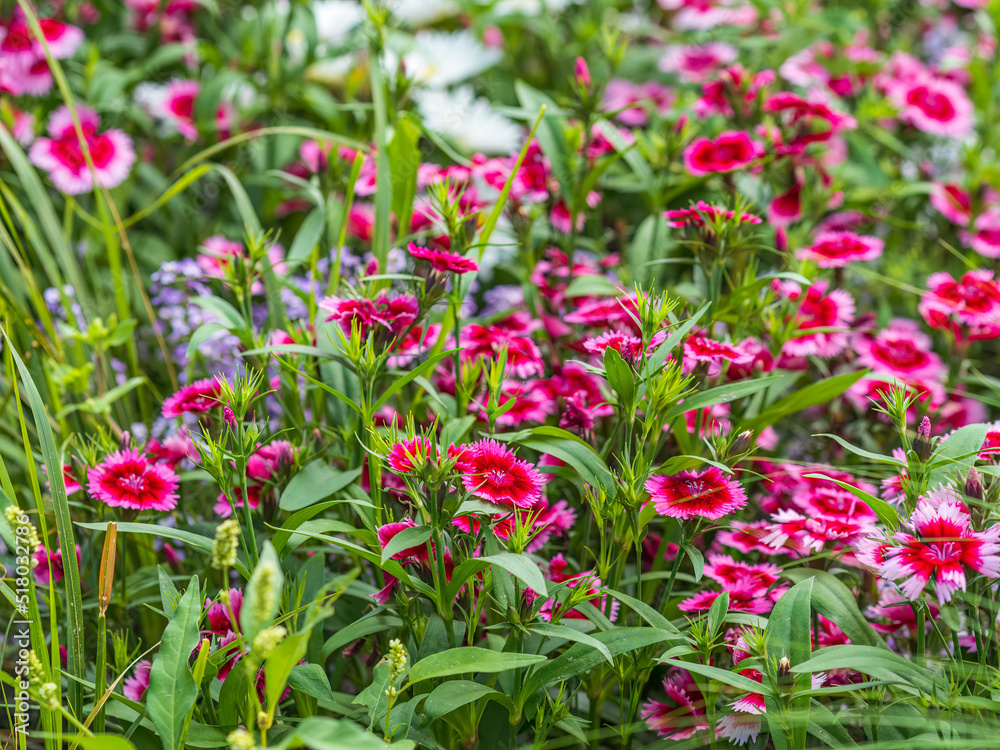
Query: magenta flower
[
  {"x": 135, "y": 687},
  {"x": 696, "y": 63},
  {"x": 973, "y": 300},
  {"x": 126, "y": 479},
  {"x": 496, "y": 475},
  {"x": 443, "y": 261},
  {"x": 195, "y": 398},
  {"x": 901, "y": 350},
  {"x": 952, "y": 202},
  {"x": 43, "y": 562},
  {"x": 732, "y": 150},
  {"x": 934, "y": 105},
  {"x": 820, "y": 309},
  {"x": 682, "y": 714},
  {"x": 838, "y": 249},
  {"x": 63, "y": 158},
  {"x": 710, "y": 494}
]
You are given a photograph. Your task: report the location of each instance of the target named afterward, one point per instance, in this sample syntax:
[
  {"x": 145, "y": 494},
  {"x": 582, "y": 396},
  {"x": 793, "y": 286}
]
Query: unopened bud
[
  {"x": 582, "y": 72},
  {"x": 743, "y": 443},
  {"x": 974, "y": 484},
  {"x": 784, "y": 667},
  {"x": 263, "y": 720},
  {"x": 229, "y": 417},
  {"x": 397, "y": 660},
  {"x": 922, "y": 443}
]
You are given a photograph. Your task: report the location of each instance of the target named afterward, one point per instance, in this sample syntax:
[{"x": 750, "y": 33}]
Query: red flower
[
  {"x": 838, "y": 249},
  {"x": 126, "y": 479},
  {"x": 495, "y": 474},
  {"x": 684, "y": 712},
  {"x": 194, "y": 398},
  {"x": 442, "y": 261},
  {"x": 688, "y": 494},
  {"x": 731, "y": 150}
]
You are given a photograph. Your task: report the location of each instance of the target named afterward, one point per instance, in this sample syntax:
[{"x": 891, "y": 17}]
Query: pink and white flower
[
  {"x": 838, "y": 249},
  {"x": 63, "y": 158}
]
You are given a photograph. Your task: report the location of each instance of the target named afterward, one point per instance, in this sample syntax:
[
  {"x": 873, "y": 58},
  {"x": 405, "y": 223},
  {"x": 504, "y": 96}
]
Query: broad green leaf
[
  {"x": 569, "y": 634},
  {"x": 837, "y": 603},
  {"x": 405, "y": 539},
  {"x": 568, "y": 447},
  {"x": 309, "y": 235},
  {"x": 956, "y": 455},
  {"x": 581, "y": 658},
  {"x": 324, "y": 733},
  {"x": 722, "y": 394},
  {"x": 311, "y": 679},
  {"x": 620, "y": 378},
  {"x": 314, "y": 482},
  {"x": 733, "y": 679},
  {"x": 814, "y": 394},
  {"x": 467, "y": 659},
  {"x": 172, "y": 690},
  {"x": 453, "y": 694}
]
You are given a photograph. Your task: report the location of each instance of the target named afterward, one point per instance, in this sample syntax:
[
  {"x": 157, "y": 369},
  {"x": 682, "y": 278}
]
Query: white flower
[
  {"x": 470, "y": 121},
  {"x": 438, "y": 59},
  {"x": 335, "y": 19},
  {"x": 531, "y": 7},
  {"x": 423, "y": 12},
  {"x": 331, "y": 71}
]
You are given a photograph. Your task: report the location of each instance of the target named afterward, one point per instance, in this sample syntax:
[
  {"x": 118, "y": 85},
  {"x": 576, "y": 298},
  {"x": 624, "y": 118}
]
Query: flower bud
[
  {"x": 784, "y": 667},
  {"x": 974, "y": 484},
  {"x": 267, "y": 640},
  {"x": 263, "y": 720},
  {"x": 922, "y": 443},
  {"x": 229, "y": 417},
  {"x": 397, "y": 660},
  {"x": 582, "y": 72}
]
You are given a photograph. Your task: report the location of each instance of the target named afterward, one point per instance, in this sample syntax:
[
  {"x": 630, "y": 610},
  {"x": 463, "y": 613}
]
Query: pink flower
[
  {"x": 942, "y": 545},
  {"x": 838, "y": 249},
  {"x": 732, "y": 150},
  {"x": 819, "y": 309},
  {"x": 786, "y": 209},
  {"x": 696, "y": 63},
  {"x": 172, "y": 104},
  {"x": 62, "y": 40},
  {"x": 900, "y": 350},
  {"x": 135, "y": 687},
  {"x": 985, "y": 235},
  {"x": 728, "y": 572},
  {"x": 523, "y": 355},
  {"x": 684, "y": 712},
  {"x": 935, "y": 106},
  {"x": 952, "y": 201},
  {"x": 744, "y": 596},
  {"x": 442, "y": 261},
  {"x": 632, "y": 102},
  {"x": 126, "y": 479},
  {"x": 556, "y": 573},
  {"x": 701, "y": 349},
  {"x": 627, "y": 345},
  {"x": 44, "y": 562},
  {"x": 386, "y": 314},
  {"x": 973, "y": 300},
  {"x": 195, "y": 398},
  {"x": 495, "y": 474},
  {"x": 703, "y": 214},
  {"x": 402, "y": 455},
  {"x": 531, "y": 404},
  {"x": 62, "y": 157},
  {"x": 689, "y": 494}
]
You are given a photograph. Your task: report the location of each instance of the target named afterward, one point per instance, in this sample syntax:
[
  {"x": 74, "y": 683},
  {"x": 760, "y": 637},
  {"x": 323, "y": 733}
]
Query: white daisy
[
  {"x": 438, "y": 59},
  {"x": 335, "y": 19},
  {"x": 470, "y": 121}
]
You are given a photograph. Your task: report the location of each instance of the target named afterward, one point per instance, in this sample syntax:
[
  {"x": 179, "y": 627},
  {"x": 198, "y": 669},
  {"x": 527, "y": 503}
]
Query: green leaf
[
  {"x": 957, "y": 454},
  {"x": 416, "y": 536},
  {"x": 863, "y": 453},
  {"x": 400, "y": 381},
  {"x": 228, "y": 315},
  {"x": 722, "y": 394},
  {"x": 311, "y": 679},
  {"x": 323, "y": 733},
  {"x": 521, "y": 567},
  {"x": 172, "y": 689},
  {"x": 453, "y": 694},
  {"x": 469, "y": 659},
  {"x": 314, "y": 482},
  {"x": 309, "y": 235},
  {"x": 878, "y": 662},
  {"x": 567, "y": 633},
  {"x": 834, "y": 601},
  {"x": 789, "y": 636},
  {"x": 404, "y": 161},
  {"x": 620, "y": 378},
  {"x": 718, "y": 611},
  {"x": 365, "y": 626},
  {"x": 551, "y": 134},
  {"x": 568, "y": 447},
  {"x": 279, "y": 664},
  {"x": 262, "y": 594},
  {"x": 581, "y": 658},
  {"x": 100, "y": 742},
  {"x": 814, "y": 394},
  {"x": 885, "y": 512},
  {"x": 732, "y": 679}
]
